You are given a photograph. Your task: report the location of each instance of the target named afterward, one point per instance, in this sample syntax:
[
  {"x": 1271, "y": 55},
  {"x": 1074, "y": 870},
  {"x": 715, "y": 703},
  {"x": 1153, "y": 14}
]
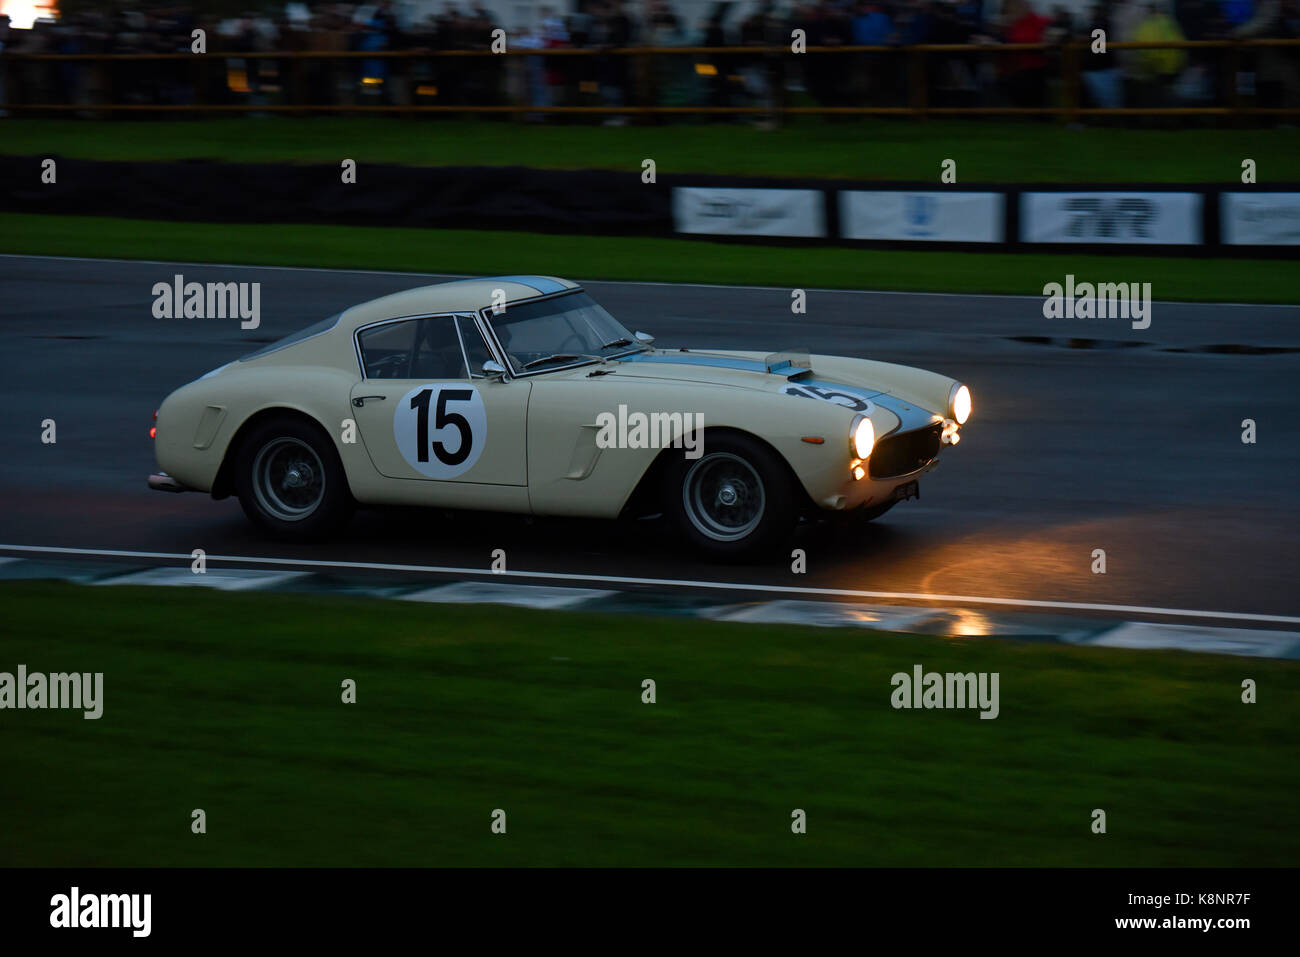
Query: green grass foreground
[
  {"x": 487, "y": 252},
  {"x": 230, "y": 702},
  {"x": 985, "y": 150}
]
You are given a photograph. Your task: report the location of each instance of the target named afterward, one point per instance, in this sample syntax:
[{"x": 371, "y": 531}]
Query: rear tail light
[{"x": 153, "y": 429}]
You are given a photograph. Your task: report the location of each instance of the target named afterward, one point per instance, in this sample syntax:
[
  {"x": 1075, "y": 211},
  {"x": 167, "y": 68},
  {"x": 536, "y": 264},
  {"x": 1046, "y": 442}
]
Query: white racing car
[{"x": 521, "y": 394}]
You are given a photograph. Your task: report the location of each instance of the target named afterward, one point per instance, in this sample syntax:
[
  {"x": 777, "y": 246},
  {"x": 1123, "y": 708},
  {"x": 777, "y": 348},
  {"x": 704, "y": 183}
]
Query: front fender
[{"x": 570, "y": 473}]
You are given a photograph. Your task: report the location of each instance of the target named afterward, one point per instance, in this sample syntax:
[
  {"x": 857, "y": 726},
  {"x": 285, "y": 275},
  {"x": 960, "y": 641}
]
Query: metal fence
[{"x": 1236, "y": 78}]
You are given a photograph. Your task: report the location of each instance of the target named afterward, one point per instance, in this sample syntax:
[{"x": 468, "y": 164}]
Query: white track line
[
  {"x": 672, "y": 582},
  {"x": 621, "y": 282}
]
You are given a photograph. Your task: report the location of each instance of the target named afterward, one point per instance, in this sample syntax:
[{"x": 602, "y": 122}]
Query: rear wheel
[
  {"x": 290, "y": 480},
  {"x": 736, "y": 501}
]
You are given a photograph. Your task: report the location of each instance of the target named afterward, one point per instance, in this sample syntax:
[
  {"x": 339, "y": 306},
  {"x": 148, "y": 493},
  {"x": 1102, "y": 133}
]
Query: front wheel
[
  {"x": 290, "y": 480},
  {"x": 736, "y": 501}
]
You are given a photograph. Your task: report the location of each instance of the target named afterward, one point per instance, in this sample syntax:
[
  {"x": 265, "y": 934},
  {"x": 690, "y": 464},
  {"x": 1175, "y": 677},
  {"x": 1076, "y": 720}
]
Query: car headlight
[
  {"x": 863, "y": 435},
  {"x": 959, "y": 404}
]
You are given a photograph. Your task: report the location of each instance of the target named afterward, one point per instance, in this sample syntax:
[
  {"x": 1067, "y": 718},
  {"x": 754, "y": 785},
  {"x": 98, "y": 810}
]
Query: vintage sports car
[{"x": 521, "y": 394}]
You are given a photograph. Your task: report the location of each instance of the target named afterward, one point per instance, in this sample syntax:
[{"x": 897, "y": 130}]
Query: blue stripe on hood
[
  {"x": 687, "y": 359},
  {"x": 909, "y": 416}
]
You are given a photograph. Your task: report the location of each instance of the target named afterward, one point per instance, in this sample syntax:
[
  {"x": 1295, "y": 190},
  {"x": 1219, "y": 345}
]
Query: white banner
[
  {"x": 935, "y": 217},
  {"x": 1260, "y": 219},
  {"x": 1157, "y": 218},
  {"x": 749, "y": 212}
]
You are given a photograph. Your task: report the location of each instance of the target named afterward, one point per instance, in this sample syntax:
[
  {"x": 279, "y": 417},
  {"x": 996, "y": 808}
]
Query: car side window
[
  {"x": 413, "y": 349},
  {"x": 386, "y": 350},
  {"x": 475, "y": 350},
  {"x": 437, "y": 350}
]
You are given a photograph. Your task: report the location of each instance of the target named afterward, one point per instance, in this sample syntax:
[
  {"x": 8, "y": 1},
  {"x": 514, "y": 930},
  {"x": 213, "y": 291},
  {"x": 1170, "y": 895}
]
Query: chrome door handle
[{"x": 360, "y": 400}]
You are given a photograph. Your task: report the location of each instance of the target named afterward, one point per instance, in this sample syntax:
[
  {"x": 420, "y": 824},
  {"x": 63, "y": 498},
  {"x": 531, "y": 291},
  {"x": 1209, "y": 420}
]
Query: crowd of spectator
[{"x": 1025, "y": 78}]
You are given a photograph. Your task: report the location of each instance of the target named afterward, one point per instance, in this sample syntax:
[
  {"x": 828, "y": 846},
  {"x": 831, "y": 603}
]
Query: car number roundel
[
  {"x": 847, "y": 399},
  {"x": 441, "y": 428}
]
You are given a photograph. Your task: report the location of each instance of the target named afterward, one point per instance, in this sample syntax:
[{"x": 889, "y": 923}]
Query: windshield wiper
[
  {"x": 562, "y": 355},
  {"x": 617, "y": 342}
]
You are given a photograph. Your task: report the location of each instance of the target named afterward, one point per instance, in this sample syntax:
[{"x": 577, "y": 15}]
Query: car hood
[
  {"x": 911, "y": 395},
  {"x": 745, "y": 370}
]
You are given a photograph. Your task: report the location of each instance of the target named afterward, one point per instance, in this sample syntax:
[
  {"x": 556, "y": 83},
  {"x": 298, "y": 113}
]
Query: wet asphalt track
[{"x": 1128, "y": 440}]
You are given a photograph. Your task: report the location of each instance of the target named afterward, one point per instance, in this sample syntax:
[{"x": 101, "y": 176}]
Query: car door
[{"x": 426, "y": 412}]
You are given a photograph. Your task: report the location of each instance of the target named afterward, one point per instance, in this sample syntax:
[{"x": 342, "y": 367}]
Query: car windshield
[{"x": 564, "y": 330}]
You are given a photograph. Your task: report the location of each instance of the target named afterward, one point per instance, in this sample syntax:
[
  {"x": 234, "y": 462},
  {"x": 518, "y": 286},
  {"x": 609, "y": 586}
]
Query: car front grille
[{"x": 905, "y": 452}]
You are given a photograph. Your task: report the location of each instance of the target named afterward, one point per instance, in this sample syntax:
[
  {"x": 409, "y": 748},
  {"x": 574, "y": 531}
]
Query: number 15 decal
[
  {"x": 846, "y": 399},
  {"x": 441, "y": 429}
]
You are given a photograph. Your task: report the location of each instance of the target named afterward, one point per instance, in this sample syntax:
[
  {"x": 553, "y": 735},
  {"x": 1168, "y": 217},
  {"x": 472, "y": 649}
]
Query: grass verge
[
  {"x": 985, "y": 150},
  {"x": 471, "y": 252},
  {"x": 231, "y": 703}
]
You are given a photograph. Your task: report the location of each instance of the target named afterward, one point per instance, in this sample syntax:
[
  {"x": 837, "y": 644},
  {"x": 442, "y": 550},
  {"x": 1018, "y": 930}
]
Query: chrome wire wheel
[
  {"x": 288, "y": 479},
  {"x": 723, "y": 497}
]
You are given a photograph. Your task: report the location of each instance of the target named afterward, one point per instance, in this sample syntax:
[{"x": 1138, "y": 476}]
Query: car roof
[{"x": 459, "y": 295}]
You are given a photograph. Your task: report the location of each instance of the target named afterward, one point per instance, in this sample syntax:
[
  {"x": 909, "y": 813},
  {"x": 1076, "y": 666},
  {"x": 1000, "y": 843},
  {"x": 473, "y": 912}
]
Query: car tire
[
  {"x": 290, "y": 481},
  {"x": 735, "y": 502}
]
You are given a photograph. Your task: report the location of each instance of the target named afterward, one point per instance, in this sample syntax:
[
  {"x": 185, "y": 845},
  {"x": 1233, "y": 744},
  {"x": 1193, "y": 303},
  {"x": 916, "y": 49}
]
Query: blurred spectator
[
  {"x": 1237, "y": 12},
  {"x": 718, "y": 65},
  {"x": 743, "y": 76},
  {"x": 1155, "y": 70},
  {"x": 1026, "y": 71},
  {"x": 555, "y": 34},
  {"x": 613, "y": 30},
  {"x": 1200, "y": 20},
  {"x": 538, "y": 91},
  {"x": 1126, "y": 16},
  {"x": 672, "y": 77},
  {"x": 1061, "y": 27},
  {"x": 328, "y": 34},
  {"x": 875, "y": 74},
  {"x": 1103, "y": 80},
  {"x": 829, "y": 26},
  {"x": 872, "y": 26},
  {"x": 760, "y": 74},
  {"x": 955, "y": 77},
  {"x": 1277, "y": 75},
  {"x": 374, "y": 36}
]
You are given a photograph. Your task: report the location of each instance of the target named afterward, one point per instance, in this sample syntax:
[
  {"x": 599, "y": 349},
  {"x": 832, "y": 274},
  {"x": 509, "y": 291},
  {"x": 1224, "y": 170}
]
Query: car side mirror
[
  {"x": 493, "y": 369},
  {"x": 644, "y": 338}
]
